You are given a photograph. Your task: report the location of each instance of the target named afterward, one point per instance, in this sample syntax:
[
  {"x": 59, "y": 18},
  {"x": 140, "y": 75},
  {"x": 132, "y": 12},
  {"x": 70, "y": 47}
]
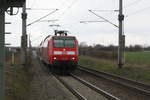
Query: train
[{"x": 59, "y": 51}]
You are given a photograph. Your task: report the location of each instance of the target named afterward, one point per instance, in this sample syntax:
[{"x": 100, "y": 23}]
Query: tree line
[{"x": 107, "y": 52}]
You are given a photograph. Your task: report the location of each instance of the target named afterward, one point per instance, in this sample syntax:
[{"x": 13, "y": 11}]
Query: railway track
[
  {"x": 85, "y": 84},
  {"x": 130, "y": 84},
  {"x": 139, "y": 87},
  {"x": 83, "y": 90}
]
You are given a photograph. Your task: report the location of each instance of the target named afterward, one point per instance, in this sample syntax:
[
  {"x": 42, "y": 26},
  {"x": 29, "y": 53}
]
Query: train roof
[
  {"x": 62, "y": 36},
  {"x": 59, "y": 34},
  {"x": 55, "y": 36}
]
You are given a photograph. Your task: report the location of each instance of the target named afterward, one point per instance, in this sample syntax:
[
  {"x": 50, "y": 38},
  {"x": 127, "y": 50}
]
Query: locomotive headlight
[
  {"x": 58, "y": 52},
  {"x": 70, "y": 52},
  {"x": 54, "y": 58},
  {"x": 73, "y": 58}
]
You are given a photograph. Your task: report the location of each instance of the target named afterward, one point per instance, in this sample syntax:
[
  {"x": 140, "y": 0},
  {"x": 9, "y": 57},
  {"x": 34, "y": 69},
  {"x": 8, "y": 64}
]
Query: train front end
[{"x": 64, "y": 53}]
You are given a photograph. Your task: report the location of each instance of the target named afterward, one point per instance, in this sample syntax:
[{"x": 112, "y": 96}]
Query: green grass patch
[
  {"x": 129, "y": 71},
  {"x": 137, "y": 57}
]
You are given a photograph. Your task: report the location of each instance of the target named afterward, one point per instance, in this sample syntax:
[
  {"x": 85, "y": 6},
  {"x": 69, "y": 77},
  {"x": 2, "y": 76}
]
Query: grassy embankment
[
  {"x": 17, "y": 80},
  {"x": 137, "y": 65}
]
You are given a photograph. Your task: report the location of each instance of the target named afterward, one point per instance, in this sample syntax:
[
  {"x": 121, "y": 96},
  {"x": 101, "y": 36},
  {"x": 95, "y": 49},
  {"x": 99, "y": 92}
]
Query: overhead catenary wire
[
  {"x": 72, "y": 3},
  {"x": 65, "y": 10},
  {"x": 34, "y": 2},
  {"x": 131, "y": 4},
  {"x": 62, "y": 4},
  {"x": 106, "y": 10},
  {"x": 42, "y": 17},
  {"x": 138, "y": 11},
  {"x": 49, "y": 20},
  {"x": 91, "y": 21},
  {"x": 37, "y": 38},
  {"x": 103, "y": 18},
  {"x": 39, "y": 9}
]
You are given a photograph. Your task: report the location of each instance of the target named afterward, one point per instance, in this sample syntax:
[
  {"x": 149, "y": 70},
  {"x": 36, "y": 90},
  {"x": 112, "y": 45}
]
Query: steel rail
[
  {"x": 73, "y": 91},
  {"x": 111, "y": 77},
  {"x": 77, "y": 94},
  {"x": 145, "y": 86},
  {"x": 139, "y": 84},
  {"x": 98, "y": 90}
]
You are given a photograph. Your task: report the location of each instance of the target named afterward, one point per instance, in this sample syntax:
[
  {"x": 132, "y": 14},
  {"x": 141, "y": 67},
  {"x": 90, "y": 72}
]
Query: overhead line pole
[
  {"x": 120, "y": 47},
  {"x": 2, "y": 51},
  {"x": 121, "y": 42},
  {"x": 24, "y": 36}
]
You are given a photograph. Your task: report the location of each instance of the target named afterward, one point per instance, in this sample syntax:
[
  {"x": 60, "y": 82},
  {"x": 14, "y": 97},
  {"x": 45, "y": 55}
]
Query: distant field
[
  {"x": 137, "y": 65},
  {"x": 138, "y": 57}
]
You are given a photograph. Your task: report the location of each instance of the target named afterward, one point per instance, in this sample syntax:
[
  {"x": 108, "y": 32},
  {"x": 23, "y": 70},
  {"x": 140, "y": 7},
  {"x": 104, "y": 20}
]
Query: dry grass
[
  {"x": 130, "y": 70},
  {"x": 17, "y": 80}
]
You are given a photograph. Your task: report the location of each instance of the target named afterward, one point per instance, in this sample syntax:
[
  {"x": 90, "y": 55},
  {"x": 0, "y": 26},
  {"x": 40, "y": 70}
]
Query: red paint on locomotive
[{"x": 59, "y": 50}]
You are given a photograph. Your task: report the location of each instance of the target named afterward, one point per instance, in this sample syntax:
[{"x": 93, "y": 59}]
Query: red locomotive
[{"x": 60, "y": 51}]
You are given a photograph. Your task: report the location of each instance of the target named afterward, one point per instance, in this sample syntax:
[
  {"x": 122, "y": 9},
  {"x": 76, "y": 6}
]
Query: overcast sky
[{"x": 71, "y": 12}]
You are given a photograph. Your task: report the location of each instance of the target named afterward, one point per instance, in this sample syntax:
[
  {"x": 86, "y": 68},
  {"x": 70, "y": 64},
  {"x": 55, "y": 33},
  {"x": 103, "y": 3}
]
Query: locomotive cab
[
  {"x": 60, "y": 51},
  {"x": 64, "y": 51}
]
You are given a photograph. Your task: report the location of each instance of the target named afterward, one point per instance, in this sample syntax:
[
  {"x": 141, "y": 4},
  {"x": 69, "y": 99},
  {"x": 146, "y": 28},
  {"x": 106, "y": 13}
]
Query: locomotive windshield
[{"x": 64, "y": 42}]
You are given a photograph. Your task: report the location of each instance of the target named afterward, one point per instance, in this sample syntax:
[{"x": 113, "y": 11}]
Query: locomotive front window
[
  {"x": 64, "y": 43},
  {"x": 59, "y": 43},
  {"x": 69, "y": 43}
]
